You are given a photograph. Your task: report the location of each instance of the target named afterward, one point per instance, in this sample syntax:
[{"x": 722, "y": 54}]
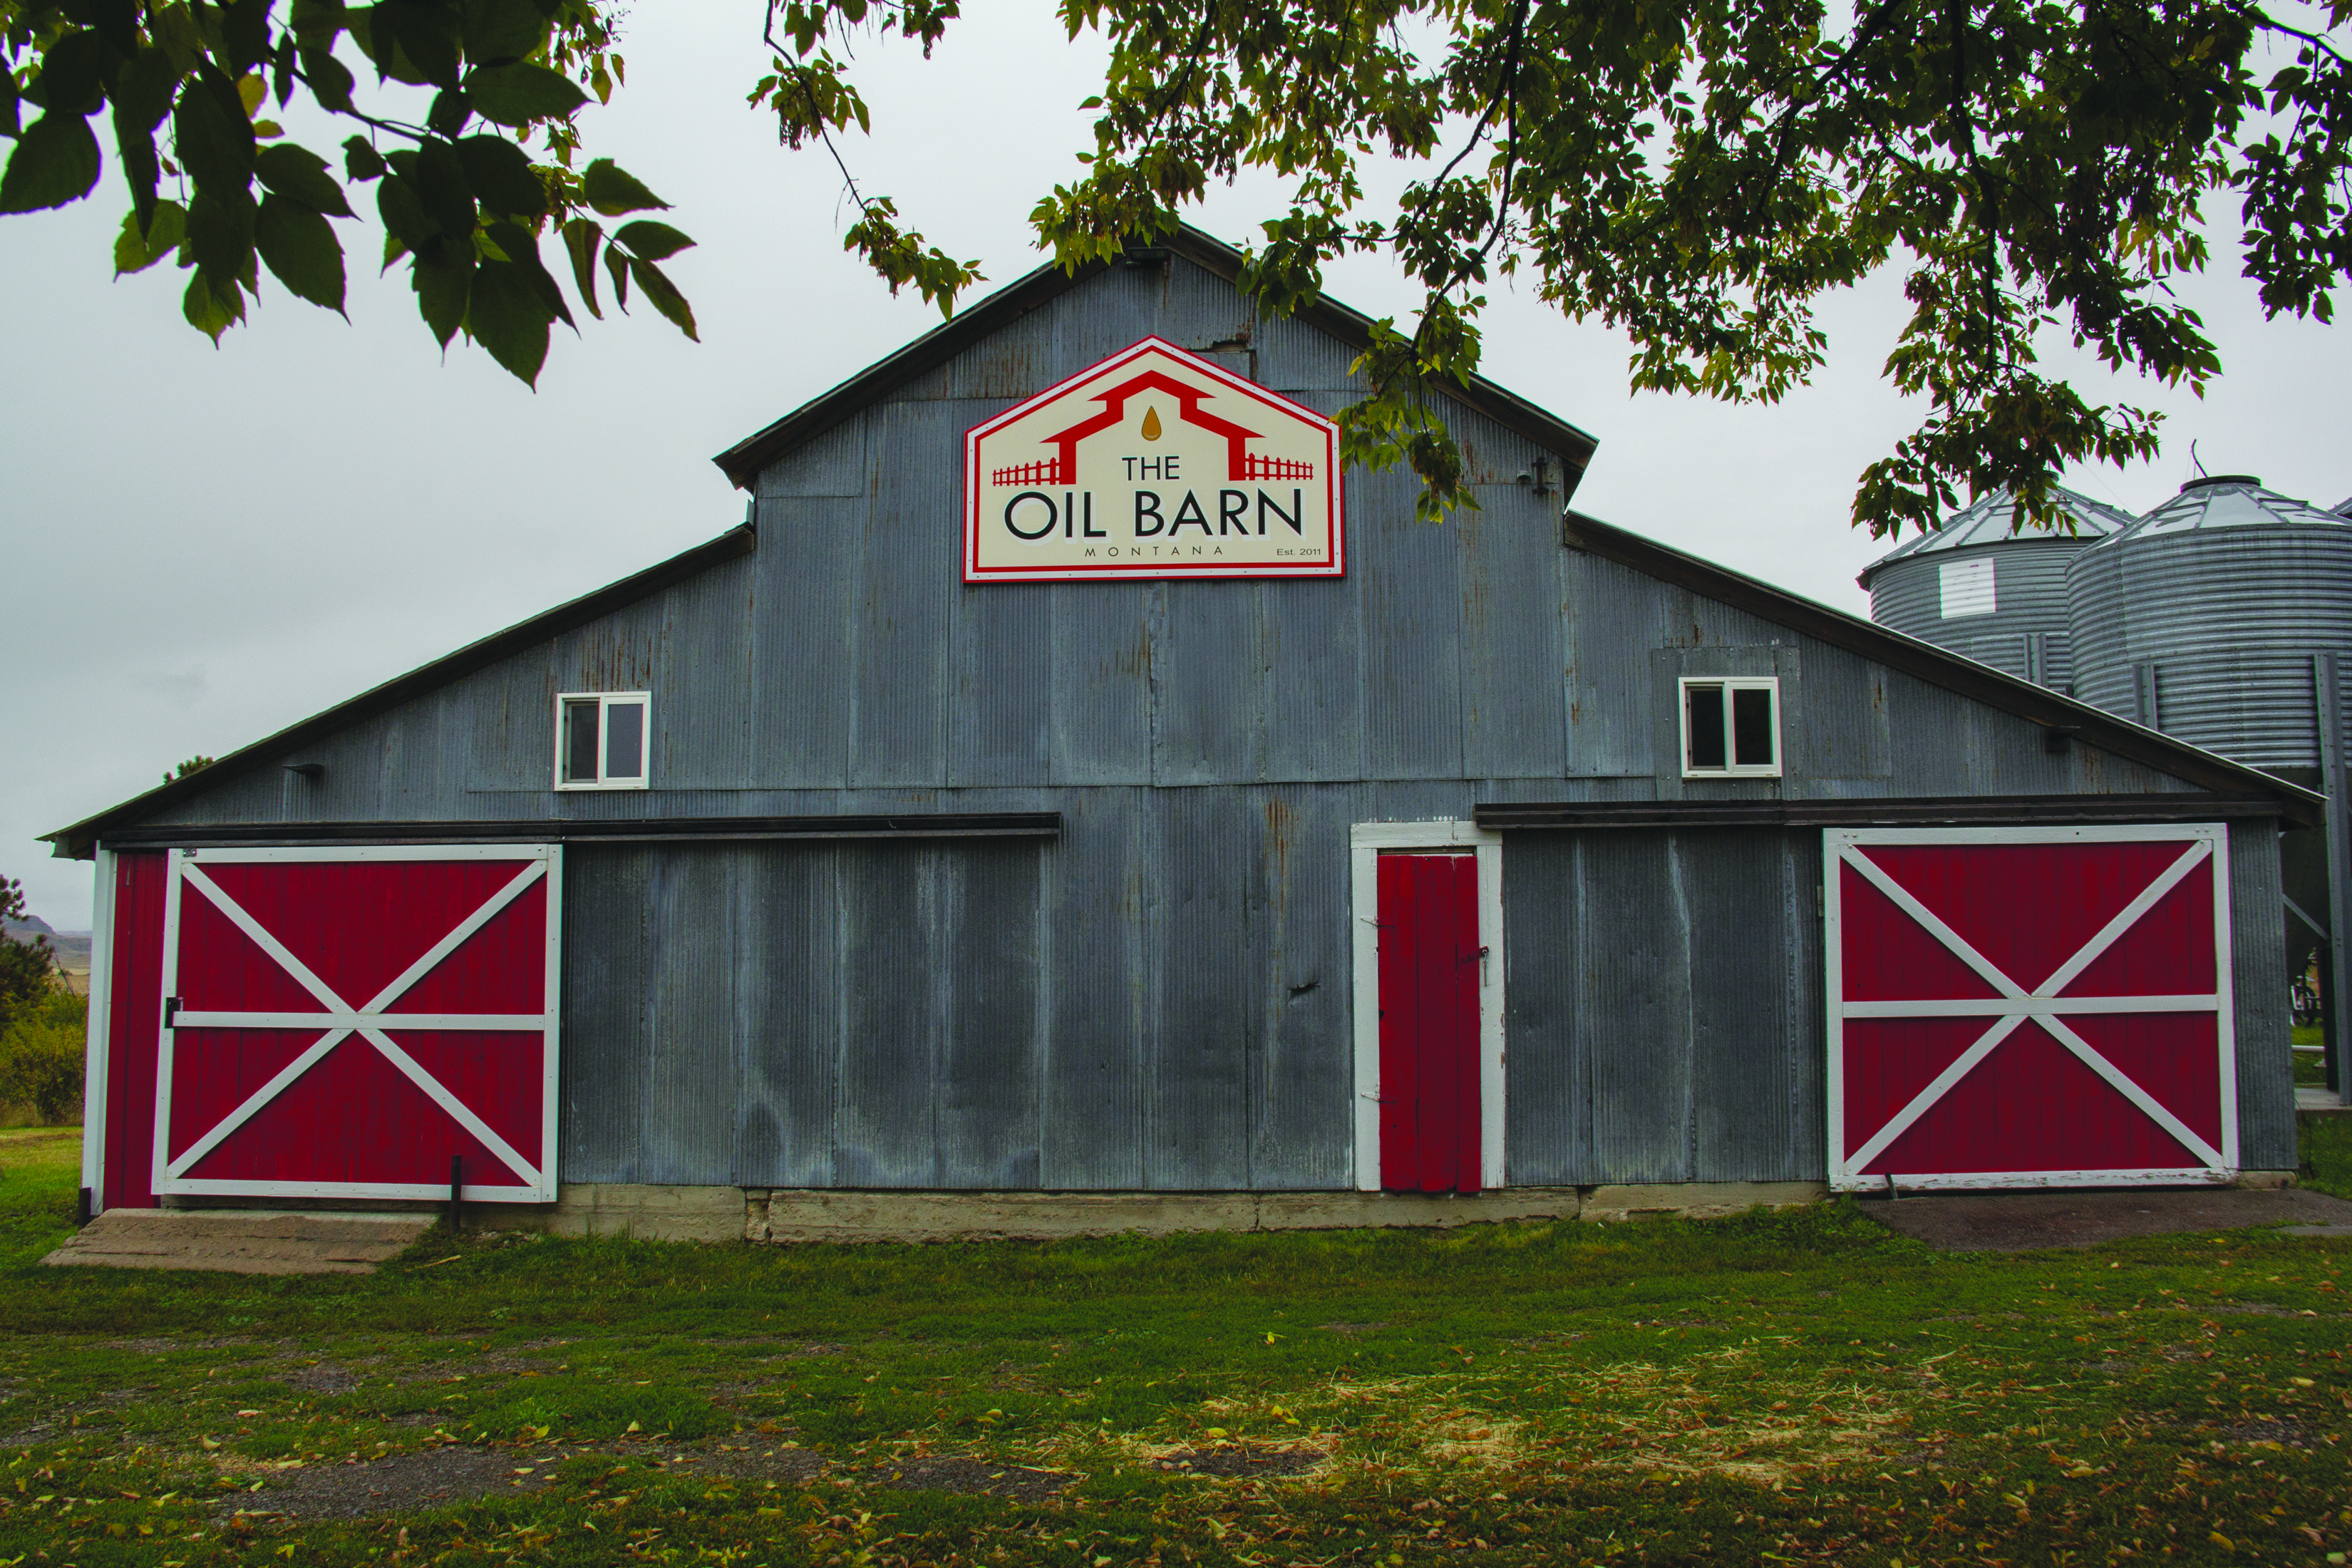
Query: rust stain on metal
[{"x": 1281, "y": 822}]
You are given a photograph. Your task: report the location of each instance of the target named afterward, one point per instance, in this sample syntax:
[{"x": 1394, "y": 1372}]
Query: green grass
[
  {"x": 2308, "y": 1068},
  {"x": 1802, "y": 1387}
]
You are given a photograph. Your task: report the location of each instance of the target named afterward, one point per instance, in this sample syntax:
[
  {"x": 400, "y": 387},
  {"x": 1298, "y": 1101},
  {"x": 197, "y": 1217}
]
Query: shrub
[{"x": 41, "y": 1056}]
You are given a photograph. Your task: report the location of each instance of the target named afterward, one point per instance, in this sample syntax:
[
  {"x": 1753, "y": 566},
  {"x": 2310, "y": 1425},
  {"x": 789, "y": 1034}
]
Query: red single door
[
  {"x": 134, "y": 1023},
  {"x": 2014, "y": 1006},
  {"x": 344, "y": 1023},
  {"x": 1428, "y": 972}
]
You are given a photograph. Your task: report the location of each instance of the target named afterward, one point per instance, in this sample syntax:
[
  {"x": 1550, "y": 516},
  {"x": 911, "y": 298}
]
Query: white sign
[{"x": 1154, "y": 463}]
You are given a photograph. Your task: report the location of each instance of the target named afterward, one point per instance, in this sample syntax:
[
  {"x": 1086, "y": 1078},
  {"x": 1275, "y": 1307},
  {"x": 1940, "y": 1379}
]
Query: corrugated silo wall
[
  {"x": 2030, "y": 587},
  {"x": 1159, "y": 998},
  {"x": 2228, "y": 617}
]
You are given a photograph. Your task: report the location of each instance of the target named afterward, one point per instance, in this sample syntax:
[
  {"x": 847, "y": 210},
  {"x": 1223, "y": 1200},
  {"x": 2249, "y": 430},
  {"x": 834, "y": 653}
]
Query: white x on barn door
[
  {"x": 2024, "y": 1007},
  {"x": 348, "y": 1022}
]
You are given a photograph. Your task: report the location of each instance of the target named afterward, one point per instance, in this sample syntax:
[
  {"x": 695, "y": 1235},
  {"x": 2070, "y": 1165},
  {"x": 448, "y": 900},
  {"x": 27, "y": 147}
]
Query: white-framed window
[
  {"x": 1967, "y": 589},
  {"x": 601, "y": 739},
  {"x": 1731, "y": 726}
]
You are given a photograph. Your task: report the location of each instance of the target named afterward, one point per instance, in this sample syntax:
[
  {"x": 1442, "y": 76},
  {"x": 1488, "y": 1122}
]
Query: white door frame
[
  {"x": 339, "y": 1017},
  {"x": 2014, "y": 1004},
  {"x": 1365, "y": 842},
  {"x": 101, "y": 1015}
]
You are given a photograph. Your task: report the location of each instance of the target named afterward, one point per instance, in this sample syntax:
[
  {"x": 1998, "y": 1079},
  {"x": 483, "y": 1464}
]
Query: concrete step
[{"x": 241, "y": 1241}]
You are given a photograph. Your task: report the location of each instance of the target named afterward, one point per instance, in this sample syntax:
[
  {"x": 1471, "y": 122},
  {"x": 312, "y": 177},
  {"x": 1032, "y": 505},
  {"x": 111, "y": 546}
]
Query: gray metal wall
[
  {"x": 2217, "y": 626},
  {"x": 2029, "y": 587},
  {"x": 1159, "y": 998}
]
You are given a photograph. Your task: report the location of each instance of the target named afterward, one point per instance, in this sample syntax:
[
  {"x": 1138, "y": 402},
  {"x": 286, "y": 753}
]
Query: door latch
[{"x": 171, "y": 1007}]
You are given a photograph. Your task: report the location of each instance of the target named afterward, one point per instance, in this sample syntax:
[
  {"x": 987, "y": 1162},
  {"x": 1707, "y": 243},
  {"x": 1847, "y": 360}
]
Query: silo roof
[
  {"x": 2230, "y": 500},
  {"x": 1992, "y": 519}
]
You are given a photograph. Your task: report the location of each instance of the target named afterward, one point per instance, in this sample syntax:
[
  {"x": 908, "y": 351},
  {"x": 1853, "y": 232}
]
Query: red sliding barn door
[
  {"x": 1429, "y": 959},
  {"x": 2030, "y": 1006},
  {"x": 344, "y": 1023}
]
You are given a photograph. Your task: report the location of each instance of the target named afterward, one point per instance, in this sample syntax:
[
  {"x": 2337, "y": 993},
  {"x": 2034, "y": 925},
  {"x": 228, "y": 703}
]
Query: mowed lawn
[{"x": 1804, "y": 1387}]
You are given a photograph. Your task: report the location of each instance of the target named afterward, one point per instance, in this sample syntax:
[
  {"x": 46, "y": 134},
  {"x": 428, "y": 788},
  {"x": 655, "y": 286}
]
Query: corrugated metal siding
[
  {"x": 1161, "y": 998},
  {"x": 2229, "y": 617},
  {"x": 2030, "y": 587},
  {"x": 2266, "y": 1136}
]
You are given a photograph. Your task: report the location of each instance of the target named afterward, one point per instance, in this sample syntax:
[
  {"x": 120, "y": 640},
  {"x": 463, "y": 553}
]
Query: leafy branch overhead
[
  {"x": 1699, "y": 175},
  {"x": 216, "y": 188}
]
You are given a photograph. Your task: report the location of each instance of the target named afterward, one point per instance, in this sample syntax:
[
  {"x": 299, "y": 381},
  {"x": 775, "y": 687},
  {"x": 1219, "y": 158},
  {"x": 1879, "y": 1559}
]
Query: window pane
[
  {"x": 624, "y": 741},
  {"x": 1706, "y": 725},
  {"x": 1751, "y": 727},
  {"x": 580, "y": 743}
]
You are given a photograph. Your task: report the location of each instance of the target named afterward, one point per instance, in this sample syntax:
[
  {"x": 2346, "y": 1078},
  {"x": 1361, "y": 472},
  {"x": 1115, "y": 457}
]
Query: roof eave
[
  {"x": 78, "y": 841},
  {"x": 1925, "y": 660}
]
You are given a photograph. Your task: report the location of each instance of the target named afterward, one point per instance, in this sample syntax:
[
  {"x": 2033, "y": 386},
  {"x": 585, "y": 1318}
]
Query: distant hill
[{"x": 72, "y": 953}]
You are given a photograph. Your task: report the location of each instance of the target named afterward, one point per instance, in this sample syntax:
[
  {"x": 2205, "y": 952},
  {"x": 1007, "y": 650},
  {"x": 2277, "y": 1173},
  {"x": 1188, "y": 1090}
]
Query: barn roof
[{"x": 742, "y": 461}]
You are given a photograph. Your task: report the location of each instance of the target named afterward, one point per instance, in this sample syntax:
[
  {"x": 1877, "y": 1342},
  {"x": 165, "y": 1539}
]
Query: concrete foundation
[{"x": 799, "y": 1214}]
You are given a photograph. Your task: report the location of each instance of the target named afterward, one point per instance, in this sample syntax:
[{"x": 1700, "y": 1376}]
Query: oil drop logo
[{"x": 1153, "y": 463}]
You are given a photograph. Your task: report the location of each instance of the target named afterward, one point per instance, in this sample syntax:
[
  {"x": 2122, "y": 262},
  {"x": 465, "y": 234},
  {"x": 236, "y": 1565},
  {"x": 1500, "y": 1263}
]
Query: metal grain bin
[
  {"x": 1980, "y": 588},
  {"x": 2201, "y": 619}
]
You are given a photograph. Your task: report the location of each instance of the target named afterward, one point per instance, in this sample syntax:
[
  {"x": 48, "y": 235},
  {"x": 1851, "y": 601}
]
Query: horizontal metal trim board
[
  {"x": 2184, "y": 807},
  {"x": 938, "y": 824}
]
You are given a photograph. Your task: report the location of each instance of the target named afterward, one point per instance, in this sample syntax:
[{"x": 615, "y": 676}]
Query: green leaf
[
  {"x": 302, "y": 250},
  {"x": 330, "y": 80},
  {"x": 8, "y": 126},
  {"x": 580, "y": 237},
  {"x": 520, "y": 248},
  {"x": 442, "y": 287},
  {"x": 506, "y": 316},
  {"x": 403, "y": 214},
  {"x": 210, "y": 132},
  {"x": 664, "y": 296},
  {"x": 206, "y": 311},
  {"x": 300, "y": 176},
  {"x": 413, "y": 43},
  {"x": 72, "y": 77},
  {"x": 442, "y": 186},
  {"x": 362, "y": 161},
  {"x": 136, "y": 251},
  {"x": 220, "y": 235},
  {"x": 56, "y": 162},
  {"x": 617, "y": 264},
  {"x": 501, "y": 175},
  {"x": 612, "y": 191},
  {"x": 244, "y": 32},
  {"x": 498, "y": 31},
  {"x": 451, "y": 109},
  {"x": 654, "y": 241},
  {"x": 143, "y": 90},
  {"x": 522, "y": 94}
]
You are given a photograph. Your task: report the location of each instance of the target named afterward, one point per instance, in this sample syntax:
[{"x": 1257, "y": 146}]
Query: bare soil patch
[{"x": 399, "y": 1483}]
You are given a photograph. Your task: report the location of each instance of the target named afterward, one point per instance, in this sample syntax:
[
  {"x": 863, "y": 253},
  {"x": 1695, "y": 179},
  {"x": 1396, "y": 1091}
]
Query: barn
[{"x": 1070, "y": 802}]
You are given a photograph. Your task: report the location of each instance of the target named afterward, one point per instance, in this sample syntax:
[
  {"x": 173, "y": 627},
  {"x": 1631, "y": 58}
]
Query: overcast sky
[{"x": 199, "y": 546}]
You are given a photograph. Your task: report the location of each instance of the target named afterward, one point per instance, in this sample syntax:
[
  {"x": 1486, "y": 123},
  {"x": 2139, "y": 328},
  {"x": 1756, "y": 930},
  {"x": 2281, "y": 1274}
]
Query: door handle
[{"x": 171, "y": 1007}]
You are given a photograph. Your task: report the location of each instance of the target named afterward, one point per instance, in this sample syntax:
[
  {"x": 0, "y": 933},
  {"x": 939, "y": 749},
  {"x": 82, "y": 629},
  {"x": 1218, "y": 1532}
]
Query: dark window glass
[
  {"x": 1706, "y": 725},
  {"x": 624, "y": 741},
  {"x": 1751, "y": 726},
  {"x": 580, "y": 743}
]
